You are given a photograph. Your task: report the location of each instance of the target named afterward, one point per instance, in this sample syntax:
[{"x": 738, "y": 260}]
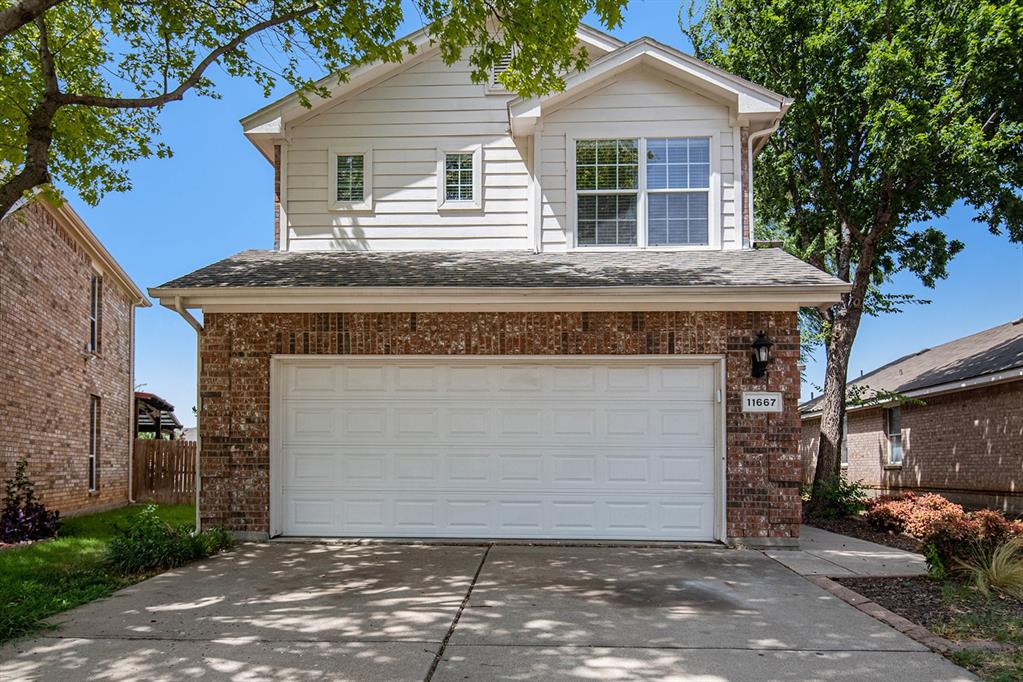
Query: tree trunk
[{"x": 844, "y": 326}]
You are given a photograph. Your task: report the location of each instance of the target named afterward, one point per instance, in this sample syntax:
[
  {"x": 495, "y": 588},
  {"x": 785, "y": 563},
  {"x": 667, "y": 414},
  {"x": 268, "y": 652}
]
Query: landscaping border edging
[{"x": 907, "y": 627}]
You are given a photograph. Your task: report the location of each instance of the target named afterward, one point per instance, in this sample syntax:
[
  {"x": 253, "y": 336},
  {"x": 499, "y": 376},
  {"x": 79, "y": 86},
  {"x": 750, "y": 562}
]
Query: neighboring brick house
[
  {"x": 964, "y": 441},
  {"x": 66, "y": 359},
  {"x": 490, "y": 317}
]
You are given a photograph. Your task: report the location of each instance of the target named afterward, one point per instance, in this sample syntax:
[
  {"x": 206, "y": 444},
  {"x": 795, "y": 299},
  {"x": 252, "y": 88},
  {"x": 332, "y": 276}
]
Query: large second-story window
[
  {"x": 678, "y": 191},
  {"x": 663, "y": 201},
  {"x": 607, "y": 185}
]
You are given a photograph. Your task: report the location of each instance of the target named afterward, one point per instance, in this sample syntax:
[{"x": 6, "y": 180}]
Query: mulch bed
[
  {"x": 920, "y": 600},
  {"x": 857, "y": 529}
]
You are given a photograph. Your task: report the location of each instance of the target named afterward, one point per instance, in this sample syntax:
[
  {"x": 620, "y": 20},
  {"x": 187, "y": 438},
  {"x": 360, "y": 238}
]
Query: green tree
[
  {"x": 901, "y": 109},
  {"x": 82, "y": 81}
]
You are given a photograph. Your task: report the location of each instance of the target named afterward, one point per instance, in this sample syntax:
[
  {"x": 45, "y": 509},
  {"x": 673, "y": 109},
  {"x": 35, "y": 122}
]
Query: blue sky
[{"x": 215, "y": 198}]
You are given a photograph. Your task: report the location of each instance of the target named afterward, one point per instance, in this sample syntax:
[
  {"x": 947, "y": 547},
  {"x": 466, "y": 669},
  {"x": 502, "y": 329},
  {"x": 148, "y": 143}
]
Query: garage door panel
[
  {"x": 500, "y": 468},
  {"x": 555, "y": 515},
  {"x": 516, "y": 449}
]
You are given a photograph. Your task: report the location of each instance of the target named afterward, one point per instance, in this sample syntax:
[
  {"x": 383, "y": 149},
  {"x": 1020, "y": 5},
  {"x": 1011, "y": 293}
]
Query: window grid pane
[
  {"x": 607, "y": 219},
  {"x": 678, "y": 163},
  {"x": 606, "y": 164},
  {"x": 350, "y": 177},
  {"x": 677, "y": 219},
  {"x": 458, "y": 177}
]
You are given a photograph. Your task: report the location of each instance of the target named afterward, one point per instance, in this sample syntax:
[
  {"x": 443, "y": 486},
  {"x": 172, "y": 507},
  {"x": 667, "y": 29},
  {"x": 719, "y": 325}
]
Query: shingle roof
[
  {"x": 991, "y": 351},
  {"x": 506, "y": 269}
]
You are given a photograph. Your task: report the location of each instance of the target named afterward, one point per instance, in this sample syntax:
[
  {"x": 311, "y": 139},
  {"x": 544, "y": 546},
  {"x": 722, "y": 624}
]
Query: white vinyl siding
[
  {"x": 405, "y": 119},
  {"x": 640, "y": 104}
]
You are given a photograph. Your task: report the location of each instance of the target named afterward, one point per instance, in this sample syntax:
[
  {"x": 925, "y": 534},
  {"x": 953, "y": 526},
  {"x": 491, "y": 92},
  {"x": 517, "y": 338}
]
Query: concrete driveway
[{"x": 402, "y": 612}]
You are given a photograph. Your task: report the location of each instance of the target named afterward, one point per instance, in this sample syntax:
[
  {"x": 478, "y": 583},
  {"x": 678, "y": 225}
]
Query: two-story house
[
  {"x": 67, "y": 352},
  {"x": 495, "y": 317}
]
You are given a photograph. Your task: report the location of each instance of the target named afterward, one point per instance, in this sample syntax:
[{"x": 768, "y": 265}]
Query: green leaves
[
  {"x": 901, "y": 109},
  {"x": 118, "y": 63}
]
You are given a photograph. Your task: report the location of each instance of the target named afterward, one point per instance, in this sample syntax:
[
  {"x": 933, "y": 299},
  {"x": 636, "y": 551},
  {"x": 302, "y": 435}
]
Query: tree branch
[
  {"x": 22, "y": 12},
  {"x": 36, "y": 172},
  {"x": 193, "y": 78}
]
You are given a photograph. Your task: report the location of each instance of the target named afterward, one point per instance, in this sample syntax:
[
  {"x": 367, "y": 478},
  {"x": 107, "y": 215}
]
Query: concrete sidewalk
[{"x": 837, "y": 556}]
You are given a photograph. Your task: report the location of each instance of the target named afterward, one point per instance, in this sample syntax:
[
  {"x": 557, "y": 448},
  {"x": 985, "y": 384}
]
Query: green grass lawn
[
  {"x": 992, "y": 618},
  {"x": 39, "y": 580}
]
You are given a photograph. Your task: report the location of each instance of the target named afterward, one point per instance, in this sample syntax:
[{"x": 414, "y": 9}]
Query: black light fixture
[{"x": 761, "y": 354}]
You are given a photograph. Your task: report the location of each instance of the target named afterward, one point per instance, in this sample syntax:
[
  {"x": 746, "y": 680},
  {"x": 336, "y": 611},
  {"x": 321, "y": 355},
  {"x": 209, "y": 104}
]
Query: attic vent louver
[{"x": 500, "y": 67}]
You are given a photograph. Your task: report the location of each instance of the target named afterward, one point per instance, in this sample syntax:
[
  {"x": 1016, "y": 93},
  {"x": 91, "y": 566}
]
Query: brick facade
[
  {"x": 763, "y": 466},
  {"x": 46, "y": 376},
  {"x": 967, "y": 445}
]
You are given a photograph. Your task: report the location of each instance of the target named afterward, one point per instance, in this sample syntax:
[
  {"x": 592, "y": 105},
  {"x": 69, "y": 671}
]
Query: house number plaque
[{"x": 761, "y": 401}]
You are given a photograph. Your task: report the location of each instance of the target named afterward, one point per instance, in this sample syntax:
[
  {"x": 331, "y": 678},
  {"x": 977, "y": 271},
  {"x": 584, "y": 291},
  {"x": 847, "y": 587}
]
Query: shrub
[
  {"x": 889, "y": 513},
  {"x": 928, "y": 511},
  {"x": 842, "y": 498},
  {"x": 999, "y": 569},
  {"x": 23, "y": 517},
  {"x": 952, "y": 538},
  {"x": 149, "y": 544}
]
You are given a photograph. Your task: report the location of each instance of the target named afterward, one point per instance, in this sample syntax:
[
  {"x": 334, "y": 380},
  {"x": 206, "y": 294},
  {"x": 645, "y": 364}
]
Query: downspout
[
  {"x": 179, "y": 307},
  {"x": 133, "y": 429},
  {"x": 749, "y": 159}
]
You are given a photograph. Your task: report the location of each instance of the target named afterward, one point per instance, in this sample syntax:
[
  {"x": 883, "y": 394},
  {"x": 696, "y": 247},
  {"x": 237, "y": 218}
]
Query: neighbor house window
[
  {"x": 893, "y": 429},
  {"x": 845, "y": 440},
  {"x": 664, "y": 202},
  {"x": 94, "y": 435},
  {"x": 460, "y": 178},
  {"x": 607, "y": 189},
  {"x": 95, "y": 313},
  {"x": 351, "y": 184}
]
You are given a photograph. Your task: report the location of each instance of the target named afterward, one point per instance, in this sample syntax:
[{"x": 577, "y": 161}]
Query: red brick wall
[
  {"x": 968, "y": 445},
  {"x": 763, "y": 468},
  {"x": 45, "y": 379}
]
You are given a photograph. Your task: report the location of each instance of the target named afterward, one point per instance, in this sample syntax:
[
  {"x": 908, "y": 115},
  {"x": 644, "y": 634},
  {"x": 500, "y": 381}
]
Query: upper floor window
[
  {"x": 95, "y": 314},
  {"x": 460, "y": 178},
  {"x": 893, "y": 430},
  {"x": 663, "y": 201},
  {"x": 351, "y": 185}
]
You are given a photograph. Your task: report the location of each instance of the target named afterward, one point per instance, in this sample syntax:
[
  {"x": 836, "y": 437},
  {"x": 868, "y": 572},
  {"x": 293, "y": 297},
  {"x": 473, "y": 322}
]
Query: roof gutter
[
  {"x": 493, "y": 299},
  {"x": 749, "y": 156}
]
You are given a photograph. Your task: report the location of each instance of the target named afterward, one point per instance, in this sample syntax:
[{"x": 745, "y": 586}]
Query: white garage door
[{"x": 495, "y": 448}]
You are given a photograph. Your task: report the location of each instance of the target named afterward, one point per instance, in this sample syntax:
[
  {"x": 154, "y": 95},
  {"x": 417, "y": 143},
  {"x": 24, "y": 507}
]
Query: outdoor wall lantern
[{"x": 761, "y": 354}]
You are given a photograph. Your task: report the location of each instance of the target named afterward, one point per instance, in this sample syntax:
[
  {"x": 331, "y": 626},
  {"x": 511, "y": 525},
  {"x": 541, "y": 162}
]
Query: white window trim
[
  {"x": 642, "y": 133},
  {"x": 443, "y": 204},
  {"x": 367, "y": 181},
  {"x": 889, "y": 436}
]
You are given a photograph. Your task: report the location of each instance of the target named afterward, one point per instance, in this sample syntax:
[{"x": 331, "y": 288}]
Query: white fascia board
[
  {"x": 748, "y": 99},
  {"x": 488, "y": 299},
  {"x": 938, "y": 389},
  {"x": 270, "y": 120}
]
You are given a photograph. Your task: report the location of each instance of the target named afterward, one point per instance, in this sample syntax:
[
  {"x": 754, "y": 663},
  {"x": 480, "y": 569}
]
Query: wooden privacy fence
[{"x": 164, "y": 472}]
